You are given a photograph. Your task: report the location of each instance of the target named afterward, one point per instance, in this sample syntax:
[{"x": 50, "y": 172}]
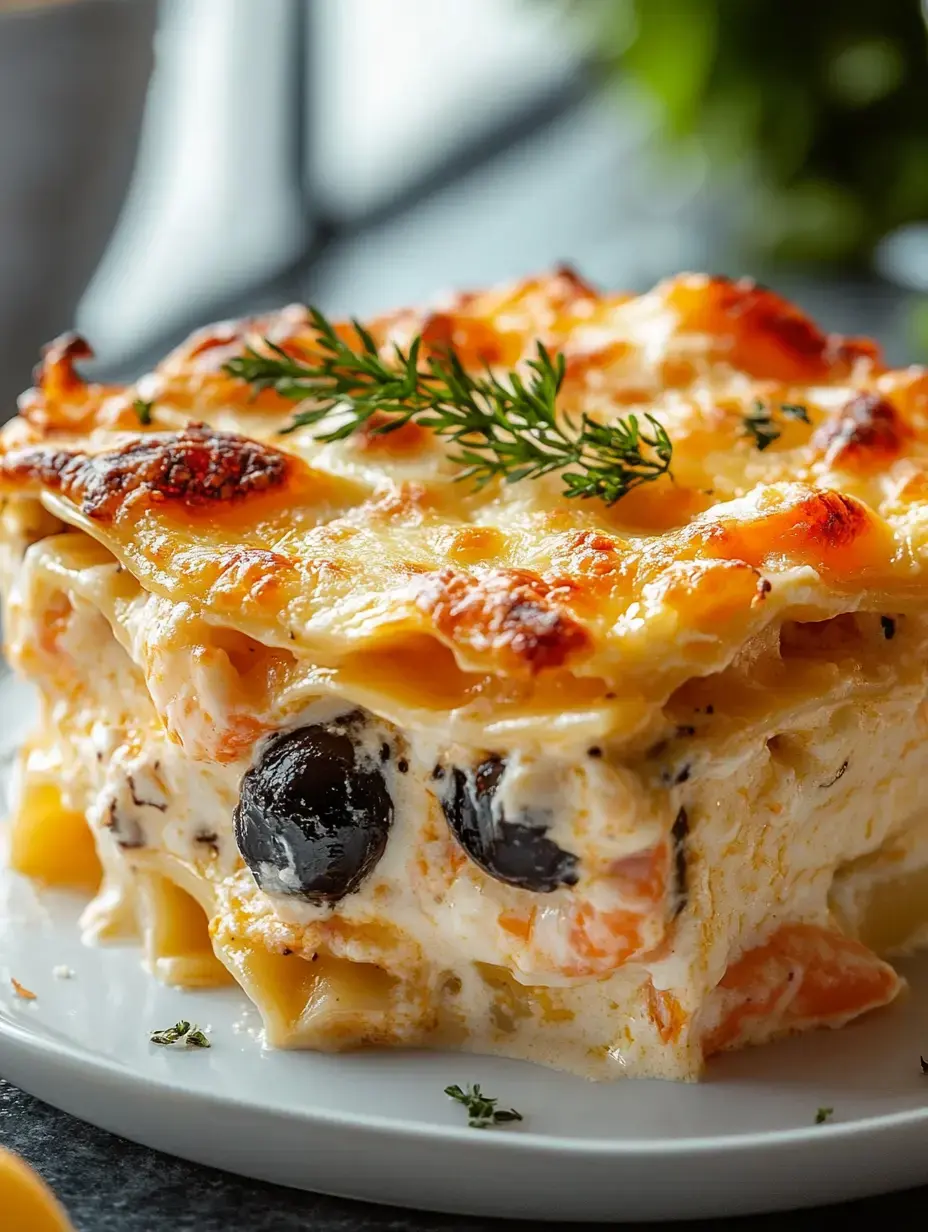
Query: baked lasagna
[{"x": 606, "y": 784}]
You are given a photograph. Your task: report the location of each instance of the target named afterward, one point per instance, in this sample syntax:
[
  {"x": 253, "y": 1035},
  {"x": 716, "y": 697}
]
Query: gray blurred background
[{"x": 164, "y": 163}]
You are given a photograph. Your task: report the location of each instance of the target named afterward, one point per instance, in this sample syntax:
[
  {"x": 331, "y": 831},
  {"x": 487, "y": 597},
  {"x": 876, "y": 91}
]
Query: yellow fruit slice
[{"x": 26, "y": 1202}]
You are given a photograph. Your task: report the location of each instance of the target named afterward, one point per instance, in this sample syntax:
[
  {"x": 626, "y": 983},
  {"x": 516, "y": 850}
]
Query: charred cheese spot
[
  {"x": 493, "y": 327},
  {"x": 867, "y": 432},
  {"x": 761, "y": 333},
  {"x": 198, "y": 466},
  {"x": 506, "y": 614},
  {"x": 61, "y": 400},
  {"x": 831, "y": 520},
  {"x": 56, "y": 374},
  {"x": 537, "y": 300},
  {"x": 207, "y": 349},
  {"x": 594, "y": 560},
  {"x": 829, "y": 530},
  {"x": 568, "y": 286},
  {"x": 476, "y": 342}
]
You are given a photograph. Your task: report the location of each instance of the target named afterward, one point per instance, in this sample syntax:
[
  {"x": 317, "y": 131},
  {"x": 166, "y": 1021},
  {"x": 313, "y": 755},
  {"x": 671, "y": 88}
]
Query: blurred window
[
  {"x": 404, "y": 86},
  {"x": 272, "y": 121}
]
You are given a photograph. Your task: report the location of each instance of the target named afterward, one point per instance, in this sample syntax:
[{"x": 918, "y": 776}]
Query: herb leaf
[
  {"x": 823, "y": 1115},
  {"x": 502, "y": 427},
  {"x": 795, "y": 410},
  {"x": 192, "y": 1036},
  {"x": 481, "y": 1109},
  {"x": 143, "y": 411},
  {"x": 759, "y": 422},
  {"x": 170, "y": 1035}
]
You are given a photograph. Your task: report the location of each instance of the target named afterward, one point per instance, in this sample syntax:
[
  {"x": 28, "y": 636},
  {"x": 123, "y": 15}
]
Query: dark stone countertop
[{"x": 110, "y": 1185}]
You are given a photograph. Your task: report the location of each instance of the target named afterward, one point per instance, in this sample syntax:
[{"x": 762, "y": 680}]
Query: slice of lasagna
[{"x": 609, "y": 786}]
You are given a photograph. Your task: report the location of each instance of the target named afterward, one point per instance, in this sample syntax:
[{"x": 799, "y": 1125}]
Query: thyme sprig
[
  {"x": 505, "y": 427},
  {"x": 481, "y": 1109}
]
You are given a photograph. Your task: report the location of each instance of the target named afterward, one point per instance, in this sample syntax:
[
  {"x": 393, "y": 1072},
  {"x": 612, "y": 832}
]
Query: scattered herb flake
[
  {"x": 22, "y": 991},
  {"x": 823, "y": 1115},
  {"x": 795, "y": 410},
  {"x": 192, "y": 1036},
  {"x": 170, "y": 1035},
  {"x": 481, "y": 1109},
  {"x": 759, "y": 422},
  {"x": 143, "y": 411}
]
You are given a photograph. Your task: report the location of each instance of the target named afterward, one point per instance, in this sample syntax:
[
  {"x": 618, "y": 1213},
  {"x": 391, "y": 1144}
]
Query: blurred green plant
[
  {"x": 826, "y": 102},
  {"x": 917, "y": 330}
]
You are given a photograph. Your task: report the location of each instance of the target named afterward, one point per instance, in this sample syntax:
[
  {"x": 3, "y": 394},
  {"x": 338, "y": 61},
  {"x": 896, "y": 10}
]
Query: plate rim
[{"x": 518, "y": 1140}]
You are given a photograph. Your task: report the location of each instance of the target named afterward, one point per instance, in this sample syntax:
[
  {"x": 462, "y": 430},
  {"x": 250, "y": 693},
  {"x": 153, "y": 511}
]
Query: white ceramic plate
[{"x": 378, "y": 1126}]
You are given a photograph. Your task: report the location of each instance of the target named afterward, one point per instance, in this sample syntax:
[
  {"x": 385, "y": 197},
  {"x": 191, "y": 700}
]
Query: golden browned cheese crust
[
  {"x": 372, "y": 543},
  {"x": 193, "y": 467}
]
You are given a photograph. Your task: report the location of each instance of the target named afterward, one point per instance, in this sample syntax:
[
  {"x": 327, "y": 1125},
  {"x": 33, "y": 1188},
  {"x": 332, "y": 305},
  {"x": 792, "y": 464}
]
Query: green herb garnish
[
  {"x": 760, "y": 423},
  {"x": 823, "y": 1115},
  {"x": 481, "y": 1110},
  {"x": 143, "y": 411},
  {"x": 503, "y": 427},
  {"x": 795, "y": 410},
  {"x": 192, "y": 1036},
  {"x": 170, "y": 1035}
]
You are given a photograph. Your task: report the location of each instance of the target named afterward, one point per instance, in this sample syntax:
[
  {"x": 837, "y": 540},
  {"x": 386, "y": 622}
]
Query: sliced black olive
[
  {"x": 516, "y": 852},
  {"x": 312, "y": 820}
]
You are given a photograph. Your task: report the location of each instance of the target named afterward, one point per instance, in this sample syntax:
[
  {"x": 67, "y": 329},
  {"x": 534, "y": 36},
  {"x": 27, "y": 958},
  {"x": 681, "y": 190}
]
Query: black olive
[
  {"x": 516, "y": 852},
  {"x": 311, "y": 822}
]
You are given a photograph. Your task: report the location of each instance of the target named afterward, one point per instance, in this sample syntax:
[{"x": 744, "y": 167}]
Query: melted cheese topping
[
  {"x": 365, "y": 554},
  {"x": 698, "y": 685}
]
